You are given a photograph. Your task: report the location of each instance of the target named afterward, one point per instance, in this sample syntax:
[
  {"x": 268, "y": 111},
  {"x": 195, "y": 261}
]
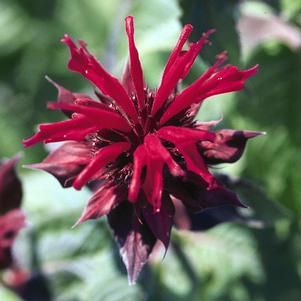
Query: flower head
[
  {"x": 11, "y": 217},
  {"x": 143, "y": 145}
]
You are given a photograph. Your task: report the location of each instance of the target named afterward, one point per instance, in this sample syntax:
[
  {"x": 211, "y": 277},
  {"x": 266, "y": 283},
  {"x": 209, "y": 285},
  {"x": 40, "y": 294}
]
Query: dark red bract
[{"x": 143, "y": 145}]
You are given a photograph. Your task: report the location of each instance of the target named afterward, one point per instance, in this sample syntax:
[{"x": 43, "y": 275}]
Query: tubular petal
[
  {"x": 104, "y": 156},
  {"x": 212, "y": 82},
  {"x": 154, "y": 156},
  {"x": 135, "y": 65},
  {"x": 100, "y": 117},
  {"x": 139, "y": 161},
  {"x": 83, "y": 62},
  {"x": 179, "y": 46},
  {"x": 196, "y": 51},
  {"x": 72, "y": 129},
  {"x": 177, "y": 133},
  {"x": 178, "y": 70},
  {"x": 170, "y": 80},
  {"x": 186, "y": 142}
]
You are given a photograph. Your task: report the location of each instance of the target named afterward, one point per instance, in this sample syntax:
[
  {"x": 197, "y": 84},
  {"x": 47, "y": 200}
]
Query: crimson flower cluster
[{"x": 143, "y": 146}]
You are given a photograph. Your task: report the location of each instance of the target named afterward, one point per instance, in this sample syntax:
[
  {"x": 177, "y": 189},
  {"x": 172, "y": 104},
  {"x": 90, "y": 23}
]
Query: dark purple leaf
[
  {"x": 160, "y": 222},
  {"x": 134, "y": 238},
  {"x": 66, "y": 162},
  {"x": 107, "y": 197},
  {"x": 194, "y": 194},
  {"x": 64, "y": 95},
  {"x": 186, "y": 219},
  {"x": 10, "y": 186}
]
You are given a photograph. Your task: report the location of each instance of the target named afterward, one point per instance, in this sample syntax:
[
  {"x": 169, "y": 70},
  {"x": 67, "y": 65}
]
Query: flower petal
[
  {"x": 179, "y": 46},
  {"x": 92, "y": 116},
  {"x": 154, "y": 156},
  {"x": 134, "y": 238},
  {"x": 213, "y": 82},
  {"x": 135, "y": 65},
  {"x": 66, "y": 162},
  {"x": 100, "y": 115},
  {"x": 185, "y": 141},
  {"x": 227, "y": 147},
  {"x": 83, "y": 62},
  {"x": 103, "y": 157},
  {"x": 10, "y": 186},
  {"x": 178, "y": 67},
  {"x": 139, "y": 162}
]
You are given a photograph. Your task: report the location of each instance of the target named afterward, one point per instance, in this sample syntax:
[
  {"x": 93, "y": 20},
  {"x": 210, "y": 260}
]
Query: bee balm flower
[{"x": 143, "y": 145}]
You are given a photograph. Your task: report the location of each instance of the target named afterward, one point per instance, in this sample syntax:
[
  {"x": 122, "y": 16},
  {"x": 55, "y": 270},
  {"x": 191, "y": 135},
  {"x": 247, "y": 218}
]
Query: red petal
[
  {"x": 154, "y": 156},
  {"x": 177, "y": 70},
  {"x": 103, "y": 157},
  {"x": 196, "y": 51},
  {"x": 104, "y": 118},
  {"x": 83, "y": 62},
  {"x": 171, "y": 79},
  {"x": 135, "y": 65},
  {"x": 179, "y": 46},
  {"x": 176, "y": 133},
  {"x": 127, "y": 81},
  {"x": 139, "y": 162},
  {"x": 186, "y": 142},
  {"x": 212, "y": 82},
  {"x": 74, "y": 129}
]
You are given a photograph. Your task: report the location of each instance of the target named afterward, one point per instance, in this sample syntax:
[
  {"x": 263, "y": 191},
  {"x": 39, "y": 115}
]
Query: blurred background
[{"x": 255, "y": 257}]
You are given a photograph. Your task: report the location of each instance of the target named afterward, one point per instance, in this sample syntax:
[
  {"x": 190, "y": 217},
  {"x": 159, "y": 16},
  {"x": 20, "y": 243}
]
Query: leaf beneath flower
[
  {"x": 134, "y": 239},
  {"x": 160, "y": 222},
  {"x": 66, "y": 162},
  {"x": 102, "y": 202}
]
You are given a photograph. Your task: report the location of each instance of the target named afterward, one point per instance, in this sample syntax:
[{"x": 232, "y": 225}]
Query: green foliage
[{"x": 205, "y": 15}]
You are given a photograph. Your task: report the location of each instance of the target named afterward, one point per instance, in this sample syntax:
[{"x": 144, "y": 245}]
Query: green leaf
[
  {"x": 7, "y": 295},
  {"x": 217, "y": 14},
  {"x": 272, "y": 104}
]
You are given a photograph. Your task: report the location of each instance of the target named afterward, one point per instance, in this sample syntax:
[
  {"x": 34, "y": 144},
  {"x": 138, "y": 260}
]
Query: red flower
[
  {"x": 11, "y": 217},
  {"x": 143, "y": 145}
]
